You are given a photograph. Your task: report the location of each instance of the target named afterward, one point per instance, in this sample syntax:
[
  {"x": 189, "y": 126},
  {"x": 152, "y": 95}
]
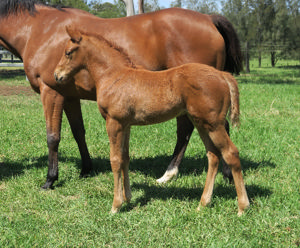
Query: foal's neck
[{"x": 106, "y": 59}]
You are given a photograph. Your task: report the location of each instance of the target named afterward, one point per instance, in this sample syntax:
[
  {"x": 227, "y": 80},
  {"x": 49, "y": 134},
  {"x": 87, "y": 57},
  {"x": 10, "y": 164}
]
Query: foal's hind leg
[
  {"x": 225, "y": 168},
  {"x": 230, "y": 154},
  {"x": 213, "y": 156},
  {"x": 184, "y": 131}
]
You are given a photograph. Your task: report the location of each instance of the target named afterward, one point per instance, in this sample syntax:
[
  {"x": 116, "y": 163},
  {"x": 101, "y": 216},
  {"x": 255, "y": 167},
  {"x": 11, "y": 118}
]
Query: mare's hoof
[
  {"x": 168, "y": 176},
  {"x": 49, "y": 183},
  {"x": 47, "y": 186},
  {"x": 84, "y": 175}
]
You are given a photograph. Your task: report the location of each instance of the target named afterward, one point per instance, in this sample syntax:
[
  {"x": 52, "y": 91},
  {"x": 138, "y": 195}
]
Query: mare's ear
[{"x": 74, "y": 34}]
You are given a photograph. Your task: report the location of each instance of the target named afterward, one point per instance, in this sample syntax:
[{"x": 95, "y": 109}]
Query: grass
[{"x": 76, "y": 212}]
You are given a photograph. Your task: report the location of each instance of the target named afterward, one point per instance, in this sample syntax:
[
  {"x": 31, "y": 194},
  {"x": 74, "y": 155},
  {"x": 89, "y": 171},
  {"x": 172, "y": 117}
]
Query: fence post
[{"x": 247, "y": 57}]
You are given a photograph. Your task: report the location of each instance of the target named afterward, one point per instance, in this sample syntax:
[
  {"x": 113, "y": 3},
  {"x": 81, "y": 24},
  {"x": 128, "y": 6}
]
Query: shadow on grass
[
  {"x": 156, "y": 167},
  {"x": 188, "y": 194},
  {"x": 293, "y": 67},
  {"x": 12, "y": 73},
  {"x": 150, "y": 167},
  {"x": 283, "y": 75}
]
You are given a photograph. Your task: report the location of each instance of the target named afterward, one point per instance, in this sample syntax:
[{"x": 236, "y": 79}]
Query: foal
[{"x": 129, "y": 96}]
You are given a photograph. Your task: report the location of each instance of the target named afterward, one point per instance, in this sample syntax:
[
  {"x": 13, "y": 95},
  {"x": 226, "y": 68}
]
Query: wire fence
[{"x": 7, "y": 59}]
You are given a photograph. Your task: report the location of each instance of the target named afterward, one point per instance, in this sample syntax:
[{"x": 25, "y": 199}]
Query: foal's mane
[
  {"x": 8, "y": 7},
  {"x": 112, "y": 45}
]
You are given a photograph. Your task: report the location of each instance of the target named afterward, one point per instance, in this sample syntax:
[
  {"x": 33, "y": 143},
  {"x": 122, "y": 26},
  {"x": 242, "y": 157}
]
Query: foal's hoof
[
  {"x": 243, "y": 208},
  {"x": 114, "y": 210},
  {"x": 241, "y": 212},
  {"x": 203, "y": 206}
]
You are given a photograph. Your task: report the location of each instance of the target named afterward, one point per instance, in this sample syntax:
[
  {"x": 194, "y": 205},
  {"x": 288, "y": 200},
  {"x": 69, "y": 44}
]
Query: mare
[
  {"x": 129, "y": 96},
  {"x": 160, "y": 40}
]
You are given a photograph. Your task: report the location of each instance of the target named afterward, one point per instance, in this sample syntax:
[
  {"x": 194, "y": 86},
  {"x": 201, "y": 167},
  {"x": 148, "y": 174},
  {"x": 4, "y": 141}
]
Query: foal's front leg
[{"x": 119, "y": 160}]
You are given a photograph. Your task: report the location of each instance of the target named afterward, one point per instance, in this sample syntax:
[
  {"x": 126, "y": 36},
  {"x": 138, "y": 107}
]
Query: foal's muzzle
[{"x": 58, "y": 78}]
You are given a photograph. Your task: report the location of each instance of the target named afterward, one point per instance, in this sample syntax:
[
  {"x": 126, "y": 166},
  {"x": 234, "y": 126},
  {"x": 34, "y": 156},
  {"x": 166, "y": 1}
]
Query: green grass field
[{"x": 77, "y": 212}]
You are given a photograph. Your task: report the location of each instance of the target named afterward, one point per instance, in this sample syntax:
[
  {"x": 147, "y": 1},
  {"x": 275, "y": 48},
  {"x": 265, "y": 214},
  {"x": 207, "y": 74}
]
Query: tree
[
  {"x": 129, "y": 7},
  {"x": 151, "y": 5},
  {"x": 263, "y": 12},
  {"x": 268, "y": 26},
  {"x": 79, "y": 4},
  {"x": 107, "y": 10},
  {"x": 177, "y": 3},
  {"x": 294, "y": 24},
  {"x": 239, "y": 13},
  {"x": 141, "y": 7},
  {"x": 202, "y": 6}
]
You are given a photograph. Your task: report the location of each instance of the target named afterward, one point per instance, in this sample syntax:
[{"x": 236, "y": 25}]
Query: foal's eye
[{"x": 68, "y": 53}]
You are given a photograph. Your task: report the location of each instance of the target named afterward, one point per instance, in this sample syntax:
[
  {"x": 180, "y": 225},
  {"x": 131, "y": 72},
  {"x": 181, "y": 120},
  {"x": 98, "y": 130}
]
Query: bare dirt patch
[
  {"x": 9, "y": 90},
  {"x": 6, "y": 90}
]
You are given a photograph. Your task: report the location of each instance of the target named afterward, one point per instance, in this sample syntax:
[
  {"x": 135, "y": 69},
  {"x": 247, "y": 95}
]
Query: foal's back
[{"x": 144, "y": 97}]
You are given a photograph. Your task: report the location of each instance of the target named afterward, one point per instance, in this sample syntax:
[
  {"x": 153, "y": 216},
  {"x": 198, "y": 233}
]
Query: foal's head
[
  {"x": 83, "y": 49},
  {"x": 74, "y": 57}
]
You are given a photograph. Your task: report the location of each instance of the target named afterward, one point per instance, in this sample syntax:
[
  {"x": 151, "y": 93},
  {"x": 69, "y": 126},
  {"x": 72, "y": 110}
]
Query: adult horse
[{"x": 164, "y": 39}]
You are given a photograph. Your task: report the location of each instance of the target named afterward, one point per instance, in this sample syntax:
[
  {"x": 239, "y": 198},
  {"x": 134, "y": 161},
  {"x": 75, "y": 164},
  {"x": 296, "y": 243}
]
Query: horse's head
[{"x": 73, "y": 59}]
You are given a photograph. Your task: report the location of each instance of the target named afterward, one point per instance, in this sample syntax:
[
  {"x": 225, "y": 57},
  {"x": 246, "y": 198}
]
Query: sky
[{"x": 164, "y": 3}]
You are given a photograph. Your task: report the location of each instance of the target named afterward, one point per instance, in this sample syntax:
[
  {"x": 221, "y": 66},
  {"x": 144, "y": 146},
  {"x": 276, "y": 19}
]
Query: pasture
[{"x": 77, "y": 212}]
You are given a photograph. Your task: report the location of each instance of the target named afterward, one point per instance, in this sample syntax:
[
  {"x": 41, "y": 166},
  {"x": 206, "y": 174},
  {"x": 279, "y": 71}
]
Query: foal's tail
[{"x": 234, "y": 112}]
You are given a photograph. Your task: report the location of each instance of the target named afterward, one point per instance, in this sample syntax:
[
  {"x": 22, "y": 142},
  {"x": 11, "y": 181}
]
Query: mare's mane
[
  {"x": 112, "y": 45},
  {"x": 8, "y": 7}
]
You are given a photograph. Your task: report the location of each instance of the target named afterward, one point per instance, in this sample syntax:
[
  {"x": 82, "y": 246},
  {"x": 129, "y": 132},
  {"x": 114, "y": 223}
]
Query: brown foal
[{"x": 129, "y": 96}]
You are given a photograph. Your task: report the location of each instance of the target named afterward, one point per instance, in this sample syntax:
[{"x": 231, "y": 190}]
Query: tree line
[{"x": 265, "y": 27}]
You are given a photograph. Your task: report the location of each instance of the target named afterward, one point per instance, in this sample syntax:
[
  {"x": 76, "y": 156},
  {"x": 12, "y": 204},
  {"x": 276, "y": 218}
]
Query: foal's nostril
[{"x": 57, "y": 78}]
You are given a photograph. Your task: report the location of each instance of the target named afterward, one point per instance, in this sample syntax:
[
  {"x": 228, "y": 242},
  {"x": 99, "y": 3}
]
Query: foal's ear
[{"x": 74, "y": 33}]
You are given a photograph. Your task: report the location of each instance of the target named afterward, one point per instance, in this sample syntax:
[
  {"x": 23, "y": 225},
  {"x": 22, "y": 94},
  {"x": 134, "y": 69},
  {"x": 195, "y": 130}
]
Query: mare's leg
[
  {"x": 225, "y": 168},
  {"x": 119, "y": 160},
  {"x": 184, "y": 131},
  {"x": 73, "y": 112},
  {"x": 230, "y": 154},
  {"x": 53, "y": 109}
]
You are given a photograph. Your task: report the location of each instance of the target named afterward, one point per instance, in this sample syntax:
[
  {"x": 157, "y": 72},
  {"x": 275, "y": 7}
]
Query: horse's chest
[{"x": 116, "y": 105}]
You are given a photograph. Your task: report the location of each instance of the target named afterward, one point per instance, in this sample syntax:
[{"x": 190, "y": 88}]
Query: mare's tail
[
  {"x": 234, "y": 112},
  {"x": 234, "y": 58}
]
